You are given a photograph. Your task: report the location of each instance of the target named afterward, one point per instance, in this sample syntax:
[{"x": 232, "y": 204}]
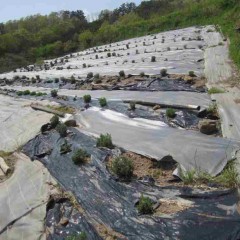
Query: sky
[{"x": 15, "y": 9}]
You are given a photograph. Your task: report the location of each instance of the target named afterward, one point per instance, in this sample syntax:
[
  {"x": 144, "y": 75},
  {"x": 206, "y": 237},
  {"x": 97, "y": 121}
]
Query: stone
[
  {"x": 64, "y": 221},
  {"x": 207, "y": 126},
  {"x": 156, "y": 107}
]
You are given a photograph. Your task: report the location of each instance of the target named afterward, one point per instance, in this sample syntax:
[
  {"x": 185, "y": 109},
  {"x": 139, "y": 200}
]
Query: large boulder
[{"x": 207, "y": 126}]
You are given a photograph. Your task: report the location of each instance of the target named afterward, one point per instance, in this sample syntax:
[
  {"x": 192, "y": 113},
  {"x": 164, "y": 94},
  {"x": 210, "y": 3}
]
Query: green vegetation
[
  {"x": 212, "y": 109},
  {"x": 142, "y": 74},
  {"x": 62, "y": 108},
  {"x": 132, "y": 106},
  {"x": 228, "y": 178},
  {"x": 54, "y": 121},
  {"x": 62, "y": 129},
  {"x": 163, "y": 72},
  {"x": 215, "y": 90},
  {"x": 87, "y": 98},
  {"x": 65, "y": 148},
  {"x": 122, "y": 167},
  {"x": 90, "y": 75},
  {"x": 105, "y": 140},
  {"x": 54, "y": 93},
  {"x": 153, "y": 59},
  {"x": 103, "y": 102},
  {"x": 170, "y": 112},
  {"x": 122, "y": 73},
  {"x": 145, "y": 205},
  {"x": 27, "y": 92},
  {"x": 80, "y": 156},
  {"x": 81, "y": 236},
  {"x": 34, "y": 38},
  {"x": 191, "y": 74}
]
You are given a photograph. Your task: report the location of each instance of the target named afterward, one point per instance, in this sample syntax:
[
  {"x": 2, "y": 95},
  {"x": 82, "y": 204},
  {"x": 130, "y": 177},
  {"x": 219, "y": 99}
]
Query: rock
[
  {"x": 64, "y": 221},
  {"x": 207, "y": 126},
  {"x": 71, "y": 123},
  {"x": 156, "y": 107}
]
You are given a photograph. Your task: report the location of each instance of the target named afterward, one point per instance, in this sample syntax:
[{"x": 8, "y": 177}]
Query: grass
[
  {"x": 215, "y": 90},
  {"x": 105, "y": 140},
  {"x": 228, "y": 178},
  {"x": 63, "y": 109},
  {"x": 170, "y": 112},
  {"x": 145, "y": 205}
]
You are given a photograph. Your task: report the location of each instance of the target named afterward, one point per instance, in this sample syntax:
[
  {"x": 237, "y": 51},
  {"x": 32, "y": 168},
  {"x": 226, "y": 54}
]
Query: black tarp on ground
[{"x": 111, "y": 202}]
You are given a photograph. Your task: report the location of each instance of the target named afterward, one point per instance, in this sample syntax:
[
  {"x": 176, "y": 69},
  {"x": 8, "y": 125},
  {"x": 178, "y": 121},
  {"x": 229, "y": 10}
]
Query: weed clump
[
  {"x": 145, "y": 205},
  {"x": 87, "y": 98},
  {"x": 54, "y": 93},
  {"x": 80, "y": 156},
  {"x": 163, "y": 72},
  {"x": 54, "y": 121},
  {"x": 65, "y": 148},
  {"x": 215, "y": 90},
  {"x": 171, "y": 113},
  {"x": 62, "y": 129},
  {"x": 105, "y": 141},
  {"x": 122, "y": 167},
  {"x": 122, "y": 73},
  {"x": 153, "y": 59},
  {"x": 90, "y": 75},
  {"x": 103, "y": 102},
  {"x": 191, "y": 73}
]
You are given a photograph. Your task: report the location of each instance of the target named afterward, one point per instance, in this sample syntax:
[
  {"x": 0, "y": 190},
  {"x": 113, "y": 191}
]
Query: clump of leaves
[
  {"x": 90, "y": 75},
  {"x": 65, "y": 148},
  {"x": 191, "y": 73},
  {"x": 122, "y": 73},
  {"x": 215, "y": 90},
  {"x": 153, "y": 59},
  {"x": 170, "y": 112},
  {"x": 80, "y": 156},
  {"x": 87, "y": 98},
  {"x": 105, "y": 140},
  {"x": 132, "y": 106},
  {"x": 54, "y": 121},
  {"x": 145, "y": 205},
  {"x": 122, "y": 167},
  {"x": 163, "y": 72},
  {"x": 62, "y": 129},
  {"x": 54, "y": 93},
  {"x": 103, "y": 102}
]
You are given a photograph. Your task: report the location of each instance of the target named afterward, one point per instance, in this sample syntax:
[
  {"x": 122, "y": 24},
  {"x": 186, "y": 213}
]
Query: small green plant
[
  {"x": 145, "y": 205},
  {"x": 132, "y": 106},
  {"x": 142, "y": 74},
  {"x": 80, "y": 156},
  {"x": 84, "y": 65},
  {"x": 163, "y": 72},
  {"x": 73, "y": 80},
  {"x": 122, "y": 167},
  {"x": 105, "y": 140},
  {"x": 65, "y": 148},
  {"x": 215, "y": 90},
  {"x": 56, "y": 80},
  {"x": 26, "y": 92},
  {"x": 87, "y": 98},
  {"x": 109, "y": 54},
  {"x": 153, "y": 59},
  {"x": 96, "y": 76},
  {"x": 122, "y": 73},
  {"x": 19, "y": 93},
  {"x": 188, "y": 177},
  {"x": 103, "y": 102},
  {"x": 62, "y": 129},
  {"x": 90, "y": 75},
  {"x": 81, "y": 236},
  {"x": 170, "y": 112},
  {"x": 33, "y": 93},
  {"x": 54, "y": 93},
  {"x": 191, "y": 73}
]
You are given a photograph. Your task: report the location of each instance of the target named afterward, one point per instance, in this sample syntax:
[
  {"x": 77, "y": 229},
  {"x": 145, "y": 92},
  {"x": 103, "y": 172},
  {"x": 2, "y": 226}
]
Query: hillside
[{"x": 34, "y": 38}]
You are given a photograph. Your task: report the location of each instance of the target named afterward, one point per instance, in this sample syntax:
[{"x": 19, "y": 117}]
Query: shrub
[
  {"x": 122, "y": 167},
  {"x": 171, "y": 113},
  {"x": 84, "y": 65},
  {"x": 33, "y": 93},
  {"x": 73, "y": 80},
  {"x": 153, "y": 59},
  {"x": 65, "y": 148},
  {"x": 54, "y": 93},
  {"x": 56, "y": 80},
  {"x": 142, "y": 74},
  {"x": 132, "y": 106},
  {"x": 87, "y": 98},
  {"x": 103, "y": 102},
  {"x": 215, "y": 90},
  {"x": 191, "y": 73},
  {"x": 19, "y": 93},
  {"x": 96, "y": 76},
  {"x": 34, "y": 80},
  {"x": 145, "y": 205},
  {"x": 137, "y": 52},
  {"x": 62, "y": 129},
  {"x": 163, "y": 72},
  {"x": 90, "y": 75},
  {"x": 168, "y": 49},
  {"x": 80, "y": 156},
  {"x": 26, "y": 92},
  {"x": 54, "y": 121},
  {"x": 122, "y": 73},
  {"x": 105, "y": 141},
  {"x": 109, "y": 54}
]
